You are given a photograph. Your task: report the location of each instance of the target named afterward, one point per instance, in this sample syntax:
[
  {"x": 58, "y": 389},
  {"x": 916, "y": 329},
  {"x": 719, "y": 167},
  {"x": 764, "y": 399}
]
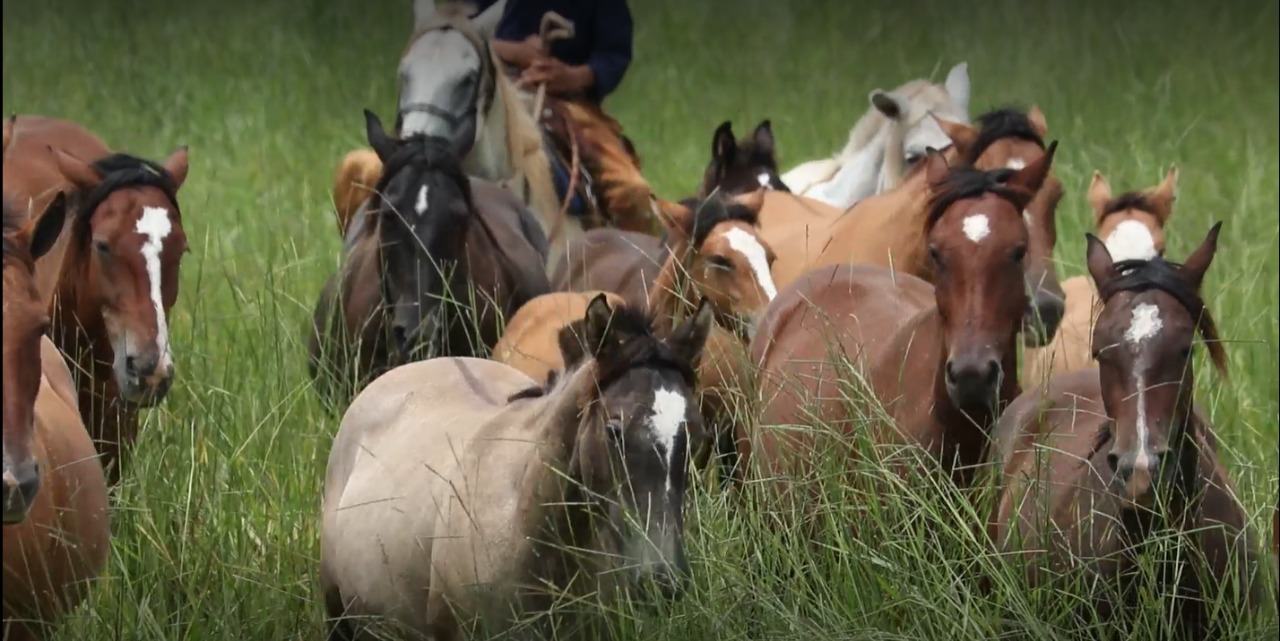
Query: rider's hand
[{"x": 559, "y": 77}]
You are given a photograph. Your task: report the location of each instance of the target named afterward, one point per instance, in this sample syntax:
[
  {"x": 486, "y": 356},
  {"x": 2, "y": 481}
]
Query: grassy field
[{"x": 216, "y": 525}]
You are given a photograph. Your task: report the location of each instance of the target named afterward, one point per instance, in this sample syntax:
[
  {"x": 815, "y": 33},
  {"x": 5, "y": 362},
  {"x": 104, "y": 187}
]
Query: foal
[
  {"x": 1097, "y": 461},
  {"x": 741, "y": 166}
]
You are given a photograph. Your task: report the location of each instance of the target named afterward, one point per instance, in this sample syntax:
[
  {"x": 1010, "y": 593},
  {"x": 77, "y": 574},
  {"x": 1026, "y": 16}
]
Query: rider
[{"x": 579, "y": 73}]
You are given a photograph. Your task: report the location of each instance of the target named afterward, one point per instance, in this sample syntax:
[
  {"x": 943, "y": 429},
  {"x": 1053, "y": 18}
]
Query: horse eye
[
  {"x": 102, "y": 247},
  {"x": 913, "y": 158},
  {"x": 1019, "y": 253},
  {"x": 1185, "y": 352},
  {"x": 614, "y": 429},
  {"x": 935, "y": 256},
  {"x": 720, "y": 262}
]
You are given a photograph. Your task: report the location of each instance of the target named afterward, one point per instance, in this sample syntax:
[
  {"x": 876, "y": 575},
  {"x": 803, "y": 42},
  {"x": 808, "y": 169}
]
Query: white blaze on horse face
[
  {"x": 977, "y": 227},
  {"x": 1131, "y": 240},
  {"x": 1144, "y": 325},
  {"x": 155, "y": 226},
  {"x": 750, "y": 247},
  {"x": 668, "y": 416},
  {"x": 420, "y": 205},
  {"x": 763, "y": 179}
]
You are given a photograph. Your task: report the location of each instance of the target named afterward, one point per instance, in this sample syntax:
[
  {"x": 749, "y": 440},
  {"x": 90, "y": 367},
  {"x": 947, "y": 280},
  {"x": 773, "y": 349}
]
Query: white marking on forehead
[
  {"x": 155, "y": 226},
  {"x": 748, "y": 245},
  {"x": 1131, "y": 240},
  {"x": 420, "y": 205},
  {"x": 1142, "y": 460},
  {"x": 763, "y": 179},
  {"x": 1144, "y": 324},
  {"x": 669, "y": 409},
  {"x": 1016, "y": 164},
  {"x": 977, "y": 227}
]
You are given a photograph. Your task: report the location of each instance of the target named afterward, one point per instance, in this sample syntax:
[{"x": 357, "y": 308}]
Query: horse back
[
  {"x": 612, "y": 260},
  {"x": 531, "y": 340}
]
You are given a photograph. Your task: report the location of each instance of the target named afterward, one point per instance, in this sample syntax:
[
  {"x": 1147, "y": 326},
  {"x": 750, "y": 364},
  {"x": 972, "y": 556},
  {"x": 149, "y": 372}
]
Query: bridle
[{"x": 479, "y": 101}]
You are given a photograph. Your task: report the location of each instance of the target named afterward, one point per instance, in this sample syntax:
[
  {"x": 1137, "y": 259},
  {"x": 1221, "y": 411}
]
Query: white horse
[
  {"x": 897, "y": 120},
  {"x": 452, "y": 85}
]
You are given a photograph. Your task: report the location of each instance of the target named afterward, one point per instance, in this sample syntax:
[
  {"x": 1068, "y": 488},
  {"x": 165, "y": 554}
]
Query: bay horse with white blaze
[
  {"x": 462, "y": 494},
  {"x": 117, "y": 271},
  {"x": 1097, "y": 463},
  {"x": 56, "y": 524},
  {"x": 939, "y": 361},
  {"x": 433, "y": 262}
]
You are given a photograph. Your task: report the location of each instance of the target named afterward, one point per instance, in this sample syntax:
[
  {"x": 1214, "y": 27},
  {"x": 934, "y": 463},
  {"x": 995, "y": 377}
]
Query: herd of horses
[{"x": 523, "y": 393}]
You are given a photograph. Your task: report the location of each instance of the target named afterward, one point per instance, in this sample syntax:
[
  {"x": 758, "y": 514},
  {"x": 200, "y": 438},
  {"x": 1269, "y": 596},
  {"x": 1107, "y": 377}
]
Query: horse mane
[
  {"x": 1157, "y": 273},
  {"x": 123, "y": 171},
  {"x": 998, "y": 124},
  {"x": 430, "y": 153},
  {"x": 963, "y": 182},
  {"x": 1126, "y": 201},
  {"x": 713, "y": 210},
  {"x": 525, "y": 142}
]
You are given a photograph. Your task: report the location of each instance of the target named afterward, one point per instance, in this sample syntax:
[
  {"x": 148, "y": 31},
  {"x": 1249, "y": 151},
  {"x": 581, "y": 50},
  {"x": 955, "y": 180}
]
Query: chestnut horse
[
  {"x": 432, "y": 265},
  {"x": 56, "y": 524},
  {"x": 741, "y": 166},
  {"x": 887, "y": 229},
  {"x": 530, "y": 342},
  {"x": 117, "y": 271},
  {"x": 527, "y": 493},
  {"x": 1097, "y": 462},
  {"x": 940, "y": 361},
  {"x": 1132, "y": 227}
]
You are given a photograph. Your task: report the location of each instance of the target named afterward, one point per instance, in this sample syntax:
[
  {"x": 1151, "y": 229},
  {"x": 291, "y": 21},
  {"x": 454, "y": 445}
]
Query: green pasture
[{"x": 215, "y": 527}]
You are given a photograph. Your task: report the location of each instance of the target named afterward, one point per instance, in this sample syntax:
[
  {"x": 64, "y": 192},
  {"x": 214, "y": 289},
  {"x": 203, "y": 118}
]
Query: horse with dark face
[
  {"x": 433, "y": 263},
  {"x": 741, "y": 166},
  {"x": 117, "y": 271},
  {"x": 528, "y": 492},
  {"x": 940, "y": 361},
  {"x": 56, "y": 524},
  {"x": 1096, "y": 463}
]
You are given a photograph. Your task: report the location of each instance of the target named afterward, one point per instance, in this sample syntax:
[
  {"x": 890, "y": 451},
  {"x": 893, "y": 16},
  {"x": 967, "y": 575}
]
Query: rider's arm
[{"x": 610, "y": 49}]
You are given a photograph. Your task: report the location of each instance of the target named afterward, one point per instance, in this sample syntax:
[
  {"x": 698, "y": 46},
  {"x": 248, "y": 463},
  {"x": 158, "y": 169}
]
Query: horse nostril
[
  {"x": 993, "y": 372},
  {"x": 1113, "y": 461},
  {"x": 400, "y": 333},
  {"x": 950, "y": 373},
  {"x": 130, "y": 364}
]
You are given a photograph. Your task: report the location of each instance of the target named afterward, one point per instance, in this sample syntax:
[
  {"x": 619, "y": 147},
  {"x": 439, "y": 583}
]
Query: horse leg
[{"x": 340, "y": 628}]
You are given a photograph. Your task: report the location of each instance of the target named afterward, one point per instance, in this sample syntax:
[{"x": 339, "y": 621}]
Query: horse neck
[
  {"x": 671, "y": 297},
  {"x": 492, "y": 156},
  {"x": 856, "y": 178},
  {"x": 864, "y": 133},
  {"x": 892, "y": 163},
  {"x": 49, "y": 268}
]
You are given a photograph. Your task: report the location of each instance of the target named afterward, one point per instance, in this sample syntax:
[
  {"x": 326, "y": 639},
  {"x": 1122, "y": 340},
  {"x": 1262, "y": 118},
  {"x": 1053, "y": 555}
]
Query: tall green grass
[{"x": 215, "y": 526}]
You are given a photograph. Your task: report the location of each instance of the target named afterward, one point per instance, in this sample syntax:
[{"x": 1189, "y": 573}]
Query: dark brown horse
[
  {"x": 1097, "y": 461},
  {"x": 741, "y": 166},
  {"x": 432, "y": 265},
  {"x": 940, "y": 361},
  {"x": 117, "y": 271},
  {"x": 56, "y": 524}
]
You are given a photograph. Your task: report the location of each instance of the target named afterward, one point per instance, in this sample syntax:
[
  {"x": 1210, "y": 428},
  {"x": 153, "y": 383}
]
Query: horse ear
[
  {"x": 690, "y": 337},
  {"x": 595, "y": 323},
  {"x": 1037, "y": 120},
  {"x": 957, "y": 85},
  {"x": 890, "y": 104},
  {"x": 486, "y": 23},
  {"x": 423, "y": 12},
  {"x": 1099, "y": 195},
  {"x": 43, "y": 232},
  {"x": 1031, "y": 178},
  {"x": 1101, "y": 268},
  {"x": 377, "y": 136},
  {"x": 1197, "y": 264},
  {"x": 570, "y": 338},
  {"x": 75, "y": 170},
  {"x": 1162, "y": 196},
  {"x": 935, "y": 167},
  {"x": 723, "y": 145},
  {"x": 176, "y": 164},
  {"x": 962, "y": 136},
  {"x": 763, "y": 138}
]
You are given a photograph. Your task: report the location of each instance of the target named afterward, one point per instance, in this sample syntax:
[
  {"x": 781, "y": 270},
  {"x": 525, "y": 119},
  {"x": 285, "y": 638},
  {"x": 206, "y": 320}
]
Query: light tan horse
[
  {"x": 887, "y": 229},
  {"x": 56, "y": 524},
  {"x": 1132, "y": 227},
  {"x": 890, "y": 138},
  {"x": 462, "y": 494},
  {"x": 530, "y": 342}
]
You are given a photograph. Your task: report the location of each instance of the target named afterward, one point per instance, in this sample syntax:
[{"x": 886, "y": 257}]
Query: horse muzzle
[
  {"x": 21, "y": 483},
  {"x": 973, "y": 379},
  {"x": 1135, "y": 475},
  {"x": 144, "y": 380}
]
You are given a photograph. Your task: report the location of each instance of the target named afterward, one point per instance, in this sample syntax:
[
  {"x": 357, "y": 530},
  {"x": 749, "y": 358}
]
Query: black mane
[
  {"x": 1157, "y": 273},
  {"x": 712, "y": 211},
  {"x": 963, "y": 182},
  {"x": 427, "y": 153},
  {"x": 122, "y": 171},
  {"x": 1126, "y": 201},
  {"x": 998, "y": 124}
]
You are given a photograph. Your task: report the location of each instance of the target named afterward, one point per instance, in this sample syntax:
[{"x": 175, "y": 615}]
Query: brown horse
[
  {"x": 56, "y": 524},
  {"x": 117, "y": 271},
  {"x": 529, "y": 493},
  {"x": 1097, "y": 461},
  {"x": 742, "y": 166},
  {"x": 887, "y": 229},
  {"x": 1132, "y": 226},
  {"x": 940, "y": 361},
  {"x": 431, "y": 266}
]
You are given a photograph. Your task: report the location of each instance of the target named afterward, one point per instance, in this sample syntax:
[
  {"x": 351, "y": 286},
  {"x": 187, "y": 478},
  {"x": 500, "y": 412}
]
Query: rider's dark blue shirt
[{"x": 602, "y": 34}]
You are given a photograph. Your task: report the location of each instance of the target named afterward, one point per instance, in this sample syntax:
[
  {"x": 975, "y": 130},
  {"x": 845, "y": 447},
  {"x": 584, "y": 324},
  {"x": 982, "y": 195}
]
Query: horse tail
[{"x": 353, "y": 183}]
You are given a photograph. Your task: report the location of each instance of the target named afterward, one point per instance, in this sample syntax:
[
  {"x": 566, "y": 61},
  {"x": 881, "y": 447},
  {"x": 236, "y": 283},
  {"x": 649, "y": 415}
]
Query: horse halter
[{"x": 482, "y": 97}]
